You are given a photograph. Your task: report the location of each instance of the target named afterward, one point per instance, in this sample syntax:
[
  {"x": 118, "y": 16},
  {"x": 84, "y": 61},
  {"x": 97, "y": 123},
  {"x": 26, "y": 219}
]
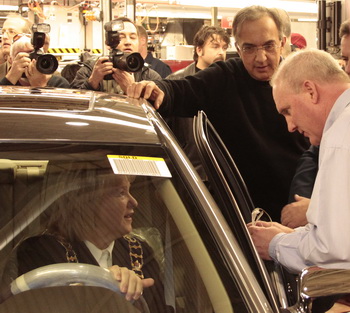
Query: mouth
[
  {"x": 262, "y": 68},
  {"x": 128, "y": 50},
  {"x": 129, "y": 215}
]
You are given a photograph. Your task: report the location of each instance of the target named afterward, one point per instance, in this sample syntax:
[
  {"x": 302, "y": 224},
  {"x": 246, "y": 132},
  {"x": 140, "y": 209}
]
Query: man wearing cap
[{"x": 298, "y": 42}]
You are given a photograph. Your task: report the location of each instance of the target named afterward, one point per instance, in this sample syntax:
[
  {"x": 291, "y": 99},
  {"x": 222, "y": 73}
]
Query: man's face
[
  {"x": 12, "y": 26},
  {"x": 300, "y": 113},
  {"x": 345, "y": 52},
  {"x": 261, "y": 64},
  {"x": 213, "y": 50},
  {"x": 129, "y": 40}
]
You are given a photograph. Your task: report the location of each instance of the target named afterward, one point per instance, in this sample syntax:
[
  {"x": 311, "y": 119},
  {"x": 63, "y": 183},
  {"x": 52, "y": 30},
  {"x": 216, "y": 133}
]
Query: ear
[
  {"x": 199, "y": 51},
  {"x": 310, "y": 88},
  {"x": 143, "y": 40},
  {"x": 283, "y": 42}
]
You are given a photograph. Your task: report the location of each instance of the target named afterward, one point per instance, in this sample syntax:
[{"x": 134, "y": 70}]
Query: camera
[
  {"x": 130, "y": 62},
  {"x": 45, "y": 63}
]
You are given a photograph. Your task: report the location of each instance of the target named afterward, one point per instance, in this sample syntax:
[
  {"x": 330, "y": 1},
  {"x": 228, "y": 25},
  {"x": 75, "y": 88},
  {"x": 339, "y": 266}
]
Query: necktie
[{"x": 105, "y": 259}]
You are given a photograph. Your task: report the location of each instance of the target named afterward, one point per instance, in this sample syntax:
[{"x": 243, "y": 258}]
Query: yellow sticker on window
[{"x": 138, "y": 165}]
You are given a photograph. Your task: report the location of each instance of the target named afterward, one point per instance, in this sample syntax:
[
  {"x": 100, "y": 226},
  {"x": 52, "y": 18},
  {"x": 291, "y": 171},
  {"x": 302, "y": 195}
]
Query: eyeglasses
[
  {"x": 260, "y": 214},
  {"x": 268, "y": 48},
  {"x": 10, "y": 32},
  {"x": 18, "y": 36}
]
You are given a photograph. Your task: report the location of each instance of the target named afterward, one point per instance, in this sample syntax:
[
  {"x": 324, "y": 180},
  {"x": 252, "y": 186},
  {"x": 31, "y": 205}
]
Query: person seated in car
[
  {"x": 92, "y": 218},
  {"x": 20, "y": 63}
]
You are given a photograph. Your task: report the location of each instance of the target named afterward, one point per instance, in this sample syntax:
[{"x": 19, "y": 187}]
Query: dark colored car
[{"x": 71, "y": 161}]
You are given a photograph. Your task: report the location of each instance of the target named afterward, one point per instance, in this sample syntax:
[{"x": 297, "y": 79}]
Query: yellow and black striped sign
[
  {"x": 64, "y": 50},
  {"x": 97, "y": 51}
]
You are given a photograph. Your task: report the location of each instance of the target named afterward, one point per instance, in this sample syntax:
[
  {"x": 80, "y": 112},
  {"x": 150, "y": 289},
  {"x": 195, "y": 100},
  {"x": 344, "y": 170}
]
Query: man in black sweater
[{"x": 237, "y": 98}]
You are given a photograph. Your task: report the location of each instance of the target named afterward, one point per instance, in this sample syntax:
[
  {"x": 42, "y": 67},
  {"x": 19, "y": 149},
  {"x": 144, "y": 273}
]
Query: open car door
[{"x": 230, "y": 192}]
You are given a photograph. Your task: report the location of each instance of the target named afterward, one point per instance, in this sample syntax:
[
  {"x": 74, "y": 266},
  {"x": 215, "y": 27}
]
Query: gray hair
[
  {"x": 253, "y": 13},
  {"x": 308, "y": 64},
  {"x": 27, "y": 29},
  {"x": 74, "y": 213},
  {"x": 286, "y": 23},
  {"x": 344, "y": 29}
]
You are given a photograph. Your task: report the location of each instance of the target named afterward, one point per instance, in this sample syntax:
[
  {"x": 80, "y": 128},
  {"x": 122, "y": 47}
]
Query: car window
[{"x": 58, "y": 199}]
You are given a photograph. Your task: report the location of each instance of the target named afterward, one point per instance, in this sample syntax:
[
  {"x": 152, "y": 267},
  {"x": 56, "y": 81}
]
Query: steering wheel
[{"x": 70, "y": 274}]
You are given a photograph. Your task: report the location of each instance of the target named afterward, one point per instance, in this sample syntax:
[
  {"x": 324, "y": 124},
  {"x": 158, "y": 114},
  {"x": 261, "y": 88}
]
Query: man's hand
[
  {"x": 123, "y": 78},
  {"x": 294, "y": 214},
  {"x": 35, "y": 78},
  {"x": 148, "y": 90},
  {"x": 18, "y": 67},
  {"x": 262, "y": 235},
  {"x": 101, "y": 68},
  {"x": 130, "y": 283}
]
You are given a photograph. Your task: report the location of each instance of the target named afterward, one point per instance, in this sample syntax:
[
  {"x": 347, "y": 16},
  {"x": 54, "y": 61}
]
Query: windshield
[{"x": 64, "y": 204}]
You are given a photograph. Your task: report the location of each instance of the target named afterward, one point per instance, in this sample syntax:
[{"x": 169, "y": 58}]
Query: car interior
[{"x": 35, "y": 176}]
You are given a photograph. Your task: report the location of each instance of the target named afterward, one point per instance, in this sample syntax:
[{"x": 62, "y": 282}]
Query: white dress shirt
[
  {"x": 324, "y": 241},
  {"x": 103, "y": 257}
]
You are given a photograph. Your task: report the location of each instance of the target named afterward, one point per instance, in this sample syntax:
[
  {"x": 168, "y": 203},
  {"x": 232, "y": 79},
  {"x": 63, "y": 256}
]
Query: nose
[
  {"x": 291, "y": 126},
  {"x": 347, "y": 67},
  {"x": 260, "y": 54},
  {"x": 132, "y": 202},
  {"x": 5, "y": 35},
  {"x": 222, "y": 51}
]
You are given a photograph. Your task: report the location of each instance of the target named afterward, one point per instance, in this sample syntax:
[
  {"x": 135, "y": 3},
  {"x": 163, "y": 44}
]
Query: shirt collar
[
  {"x": 338, "y": 107},
  {"x": 96, "y": 252}
]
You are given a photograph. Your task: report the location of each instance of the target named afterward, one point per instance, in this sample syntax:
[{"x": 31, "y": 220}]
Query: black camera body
[
  {"x": 45, "y": 63},
  {"x": 129, "y": 62}
]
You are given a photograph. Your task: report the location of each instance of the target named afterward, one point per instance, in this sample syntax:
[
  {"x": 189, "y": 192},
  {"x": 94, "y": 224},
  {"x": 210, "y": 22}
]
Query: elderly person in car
[{"x": 91, "y": 222}]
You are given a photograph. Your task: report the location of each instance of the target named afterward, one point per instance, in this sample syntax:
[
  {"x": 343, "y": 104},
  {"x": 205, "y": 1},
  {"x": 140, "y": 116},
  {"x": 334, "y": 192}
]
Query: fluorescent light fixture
[
  {"x": 8, "y": 7},
  {"x": 307, "y": 19},
  {"x": 289, "y": 6}
]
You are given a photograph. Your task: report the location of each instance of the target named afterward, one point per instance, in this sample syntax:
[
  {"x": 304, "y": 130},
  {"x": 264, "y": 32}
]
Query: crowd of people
[{"x": 303, "y": 186}]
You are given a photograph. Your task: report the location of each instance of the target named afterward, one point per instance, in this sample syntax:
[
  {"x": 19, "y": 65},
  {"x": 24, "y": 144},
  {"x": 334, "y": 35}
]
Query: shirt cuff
[{"x": 272, "y": 246}]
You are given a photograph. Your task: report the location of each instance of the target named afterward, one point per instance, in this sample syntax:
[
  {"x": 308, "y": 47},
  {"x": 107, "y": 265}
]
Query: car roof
[{"x": 74, "y": 115}]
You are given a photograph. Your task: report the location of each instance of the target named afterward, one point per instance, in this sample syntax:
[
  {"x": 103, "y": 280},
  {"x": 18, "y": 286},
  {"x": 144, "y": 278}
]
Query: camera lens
[
  {"x": 46, "y": 64},
  {"x": 134, "y": 62}
]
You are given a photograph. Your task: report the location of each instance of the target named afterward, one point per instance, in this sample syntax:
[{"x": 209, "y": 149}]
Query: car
[{"x": 64, "y": 154}]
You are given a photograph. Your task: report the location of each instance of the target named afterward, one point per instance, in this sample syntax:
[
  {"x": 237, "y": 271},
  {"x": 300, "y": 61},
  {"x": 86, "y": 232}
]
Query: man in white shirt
[{"x": 314, "y": 100}]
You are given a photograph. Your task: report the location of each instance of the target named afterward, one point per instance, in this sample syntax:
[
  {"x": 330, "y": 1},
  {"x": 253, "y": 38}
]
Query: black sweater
[{"x": 243, "y": 112}]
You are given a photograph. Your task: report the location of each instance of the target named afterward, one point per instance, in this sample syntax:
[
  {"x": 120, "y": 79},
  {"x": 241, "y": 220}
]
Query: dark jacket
[
  {"x": 54, "y": 81},
  {"x": 44, "y": 250},
  {"x": 82, "y": 77},
  {"x": 182, "y": 126},
  {"x": 157, "y": 65},
  {"x": 305, "y": 175},
  {"x": 243, "y": 112},
  {"x": 188, "y": 70}
]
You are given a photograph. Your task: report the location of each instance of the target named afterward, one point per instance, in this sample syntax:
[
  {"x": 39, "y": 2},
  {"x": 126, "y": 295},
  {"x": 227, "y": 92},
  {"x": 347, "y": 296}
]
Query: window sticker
[{"x": 138, "y": 165}]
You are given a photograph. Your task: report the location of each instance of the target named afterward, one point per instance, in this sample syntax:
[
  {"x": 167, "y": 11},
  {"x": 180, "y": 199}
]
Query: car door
[{"x": 230, "y": 192}]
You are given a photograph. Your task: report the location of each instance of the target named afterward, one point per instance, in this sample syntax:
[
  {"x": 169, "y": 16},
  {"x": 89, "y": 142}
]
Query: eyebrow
[
  {"x": 284, "y": 111},
  {"x": 265, "y": 43}
]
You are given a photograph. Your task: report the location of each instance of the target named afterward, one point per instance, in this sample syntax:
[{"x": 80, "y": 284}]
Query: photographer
[
  {"x": 93, "y": 73},
  {"x": 21, "y": 63}
]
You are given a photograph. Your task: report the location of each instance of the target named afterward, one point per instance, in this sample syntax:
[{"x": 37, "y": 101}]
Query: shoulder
[
  {"x": 88, "y": 64},
  {"x": 147, "y": 74},
  {"x": 58, "y": 81},
  {"x": 188, "y": 70}
]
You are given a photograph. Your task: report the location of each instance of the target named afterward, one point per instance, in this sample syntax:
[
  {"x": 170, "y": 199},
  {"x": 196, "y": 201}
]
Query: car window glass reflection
[{"x": 72, "y": 212}]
